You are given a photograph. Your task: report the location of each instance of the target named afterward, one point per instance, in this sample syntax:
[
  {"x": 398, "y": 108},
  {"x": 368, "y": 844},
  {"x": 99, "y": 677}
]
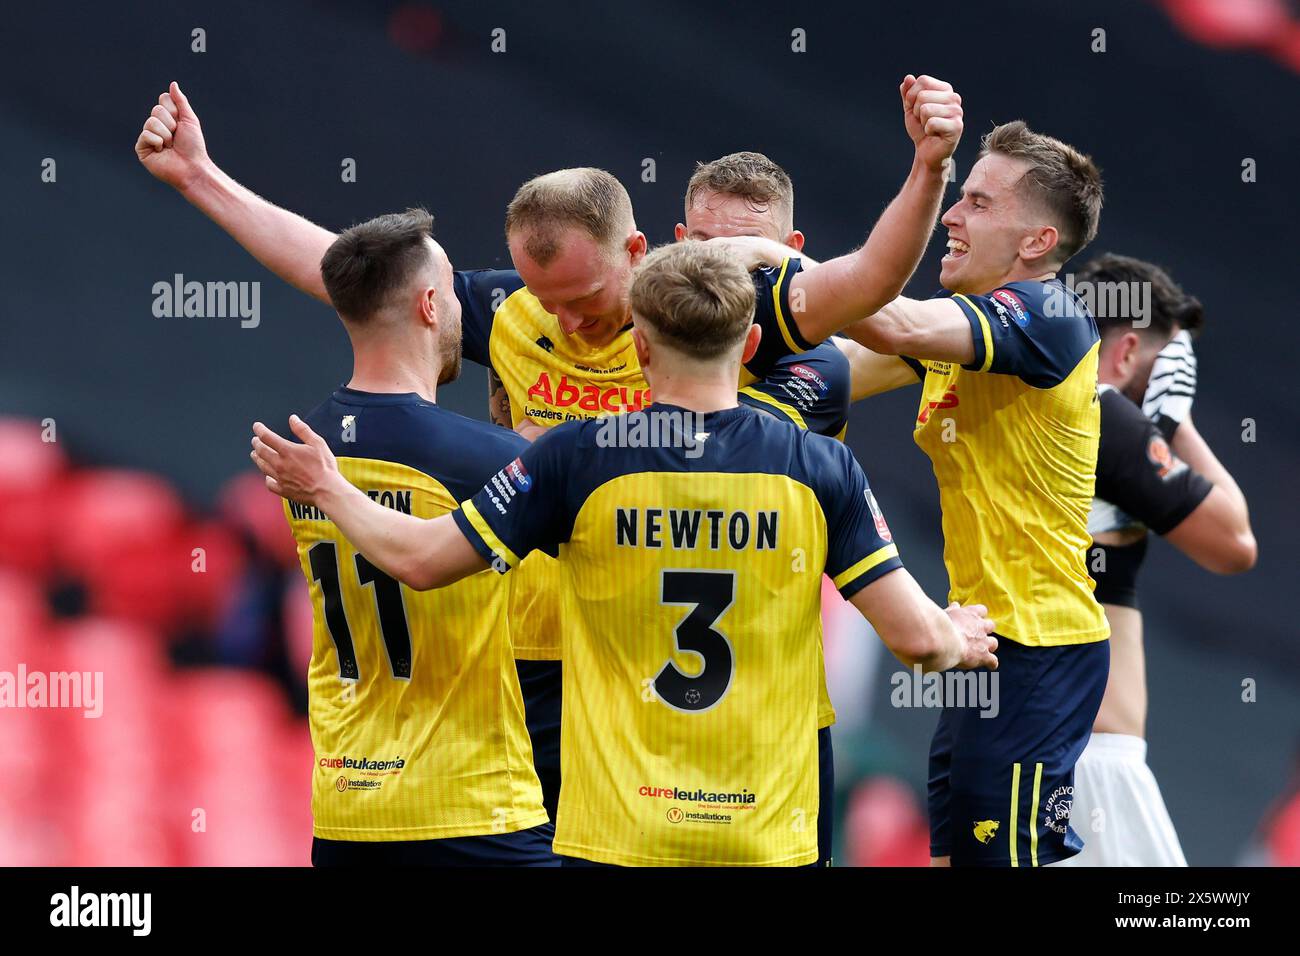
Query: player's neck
[
  {"x": 696, "y": 393},
  {"x": 384, "y": 370}
]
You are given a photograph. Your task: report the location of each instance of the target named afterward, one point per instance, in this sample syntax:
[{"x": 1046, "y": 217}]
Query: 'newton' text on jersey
[{"x": 685, "y": 528}]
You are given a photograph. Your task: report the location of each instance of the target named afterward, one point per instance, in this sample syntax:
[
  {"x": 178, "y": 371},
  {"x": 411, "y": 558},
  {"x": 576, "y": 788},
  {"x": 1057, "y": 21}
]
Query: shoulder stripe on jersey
[
  {"x": 780, "y": 316},
  {"x": 488, "y": 535},
  {"x": 789, "y": 411},
  {"x": 984, "y": 328},
  {"x": 865, "y": 565}
]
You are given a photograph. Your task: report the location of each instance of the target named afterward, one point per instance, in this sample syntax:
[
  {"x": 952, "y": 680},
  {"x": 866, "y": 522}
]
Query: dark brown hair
[
  {"x": 1170, "y": 305},
  {"x": 374, "y": 260}
]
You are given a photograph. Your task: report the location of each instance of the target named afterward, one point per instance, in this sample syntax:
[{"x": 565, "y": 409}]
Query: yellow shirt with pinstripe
[
  {"x": 1013, "y": 440},
  {"x": 416, "y": 716},
  {"x": 691, "y": 591},
  {"x": 552, "y": 378}
]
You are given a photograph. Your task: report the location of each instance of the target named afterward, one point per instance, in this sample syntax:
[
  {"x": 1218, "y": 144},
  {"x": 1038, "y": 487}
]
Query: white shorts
[{"x": 1118, "y": 810}]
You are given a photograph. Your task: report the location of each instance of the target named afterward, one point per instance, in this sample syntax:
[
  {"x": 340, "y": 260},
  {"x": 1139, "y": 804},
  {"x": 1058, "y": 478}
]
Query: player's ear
[
  {"x": 795, "y": 240},
  {"x": 752, "y": 338},
  {"x": 1039, "y": 243},
  {"x": 636, "y": 246},
  {"x": 679, "y": 231},
  {"x": 429, "y": 306},
  {"x": 642, "y": 347},
  {"x": 1127, "y": 353}
]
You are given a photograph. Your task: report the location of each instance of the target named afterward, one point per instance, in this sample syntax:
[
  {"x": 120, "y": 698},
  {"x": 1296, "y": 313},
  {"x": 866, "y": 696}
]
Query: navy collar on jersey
[
  {"x": 351, "y": 396},
  {"x": 721, "y": 417}
]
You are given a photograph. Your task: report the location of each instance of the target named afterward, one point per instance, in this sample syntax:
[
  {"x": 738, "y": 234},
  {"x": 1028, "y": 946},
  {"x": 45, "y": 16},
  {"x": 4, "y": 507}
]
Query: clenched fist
[
  {"x": 171, "y": 143},
  {"x": 933, "y": 117}
]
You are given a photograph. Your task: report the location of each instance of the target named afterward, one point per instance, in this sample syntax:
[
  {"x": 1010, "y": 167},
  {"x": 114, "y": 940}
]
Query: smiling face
[
  {"x": 584, "y": 284},
  {"x": 713, "y": 214},
  {"x": 994, "y": 234}
]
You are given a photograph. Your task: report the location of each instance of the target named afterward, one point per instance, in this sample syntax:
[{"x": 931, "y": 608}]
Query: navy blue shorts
[
  {"x": 541, "y": 684},
  {"x": 825, "y": 797},
  {"x": 1001, "y": 787},
  {"x": 531, "y": 847}
]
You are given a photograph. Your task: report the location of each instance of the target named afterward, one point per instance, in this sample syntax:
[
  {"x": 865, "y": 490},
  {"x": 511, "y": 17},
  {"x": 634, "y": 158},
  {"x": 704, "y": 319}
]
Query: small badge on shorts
[{"x": 985, "y": 830}]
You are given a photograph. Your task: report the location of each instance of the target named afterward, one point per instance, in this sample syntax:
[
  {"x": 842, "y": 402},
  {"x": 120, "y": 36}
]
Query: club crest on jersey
[
  {"x": 518, "y": 475},
  {"x": 1012, "y": 302},
  {"x": 986, "y": 830},
  {"x": 882, "y": 529},
  {"x": 546, "y": 344},
  {"x": 1056, "y": 811},
  {"x": 1158, "y": 454}
]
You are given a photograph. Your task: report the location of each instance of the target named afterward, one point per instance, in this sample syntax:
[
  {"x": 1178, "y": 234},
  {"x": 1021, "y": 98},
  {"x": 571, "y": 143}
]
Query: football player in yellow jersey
[
  {"x": 690, "y": 673},
  {"x": 748, "y": 195},
  {"x": 562, "y": 343},
  {"x": 1010, "y": 420},
  {"x": 422, "y": 752}
]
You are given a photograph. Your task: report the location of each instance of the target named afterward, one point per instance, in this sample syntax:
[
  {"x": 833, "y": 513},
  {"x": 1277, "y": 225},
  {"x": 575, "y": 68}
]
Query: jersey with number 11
[{"x": 416, "y": 715}]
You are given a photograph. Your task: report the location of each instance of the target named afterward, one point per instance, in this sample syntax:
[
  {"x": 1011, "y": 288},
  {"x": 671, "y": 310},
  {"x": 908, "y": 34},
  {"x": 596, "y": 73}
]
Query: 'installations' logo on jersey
[{"x": 985, "y": 830}]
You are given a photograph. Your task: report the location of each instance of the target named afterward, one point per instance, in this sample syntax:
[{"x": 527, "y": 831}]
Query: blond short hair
[
  {"x": 586, "y": 198},
  {"x": 751, "y": 176},
  {"x": 1064, "y": 180},
  {"x": 697, "y": 299}
]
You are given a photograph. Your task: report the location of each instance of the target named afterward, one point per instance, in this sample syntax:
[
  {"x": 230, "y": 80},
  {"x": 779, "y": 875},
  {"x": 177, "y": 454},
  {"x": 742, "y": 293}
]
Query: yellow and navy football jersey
[
  {"x": 1013, "y": 440},
  {"x": 553, "y": 378},
  {"x": 691, "y": 561},
  {"x": 414, "y": 705}
]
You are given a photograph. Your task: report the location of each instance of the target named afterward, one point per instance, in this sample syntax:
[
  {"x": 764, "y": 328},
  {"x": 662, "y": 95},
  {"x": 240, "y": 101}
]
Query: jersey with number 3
[
  {"x": 416, "y": 716},
  {"x": 692, "y": 553}
]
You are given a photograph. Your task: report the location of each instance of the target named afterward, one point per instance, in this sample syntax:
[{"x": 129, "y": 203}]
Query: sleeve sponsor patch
[
  {"x": 1007, "y": 298},
  {"x": 878, "y": 516}
]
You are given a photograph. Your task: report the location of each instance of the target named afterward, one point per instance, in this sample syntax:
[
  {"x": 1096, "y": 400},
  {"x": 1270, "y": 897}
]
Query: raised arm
[
  {"x": 1217, "y": 535},
  {"x": 840, "y": 291},
  {"x": 919, "y": 328},
  {"x": 171, "y": 147},
  {"x": 422, "y": 553},
  {"x": 917, "y": 631},
  {"x": 872, "y": 373}
]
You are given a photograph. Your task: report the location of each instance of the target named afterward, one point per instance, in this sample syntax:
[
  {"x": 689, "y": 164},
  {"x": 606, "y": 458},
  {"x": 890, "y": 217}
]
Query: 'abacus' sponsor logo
[{"x": 589, "y": 397}]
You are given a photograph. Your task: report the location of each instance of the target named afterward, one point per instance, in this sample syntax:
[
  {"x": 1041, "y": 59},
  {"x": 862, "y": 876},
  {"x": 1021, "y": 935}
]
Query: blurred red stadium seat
[
  {"x": 886, "y": 826},
  {"x": 30, "y": 473}
]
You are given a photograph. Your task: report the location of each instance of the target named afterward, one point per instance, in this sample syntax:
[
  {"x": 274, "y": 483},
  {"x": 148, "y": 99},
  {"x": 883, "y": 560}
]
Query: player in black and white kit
[{"x": 1154, "y": 473}]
